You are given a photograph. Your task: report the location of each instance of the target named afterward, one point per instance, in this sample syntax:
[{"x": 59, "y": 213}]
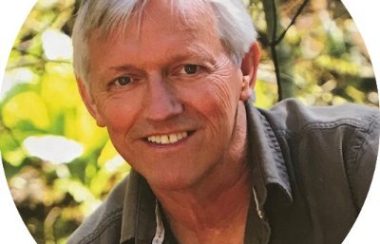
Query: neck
[
  {"x": 219, "y": 217},
  {"x": 215, "y": 210}
]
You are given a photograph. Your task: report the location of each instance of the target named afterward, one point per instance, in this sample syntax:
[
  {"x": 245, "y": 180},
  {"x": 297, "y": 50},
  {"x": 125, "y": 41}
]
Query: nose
[{"x": 162, "y": 102}]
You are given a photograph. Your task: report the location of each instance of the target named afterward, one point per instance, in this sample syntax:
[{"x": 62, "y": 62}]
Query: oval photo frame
[{"x": 364, "y": 229}]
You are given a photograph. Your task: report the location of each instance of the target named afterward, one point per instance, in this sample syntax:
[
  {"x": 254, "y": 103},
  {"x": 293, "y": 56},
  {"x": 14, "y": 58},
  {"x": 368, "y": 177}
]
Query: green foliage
[
  {"x": 41, "y": 99},
  {"x": 322, "y": 58},
  {"x": 322, "y": 61}
]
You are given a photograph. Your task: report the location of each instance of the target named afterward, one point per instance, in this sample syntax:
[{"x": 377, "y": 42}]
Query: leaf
[{"x": 26, "y": 106}]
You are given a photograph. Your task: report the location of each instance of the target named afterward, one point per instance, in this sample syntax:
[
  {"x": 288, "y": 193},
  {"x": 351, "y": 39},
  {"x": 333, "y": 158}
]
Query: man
[{"x": 171, "y": 81}]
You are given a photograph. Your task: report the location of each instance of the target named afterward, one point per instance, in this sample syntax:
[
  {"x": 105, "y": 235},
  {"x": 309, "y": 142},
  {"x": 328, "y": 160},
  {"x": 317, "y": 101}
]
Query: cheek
[
  {"x": 225, "y": 96},
  {"x": 216, "y": 99},
  {"x": 223, "y": 93},
  {"x": 118, "y": 114},
  {"x": 225, "y": 87}
]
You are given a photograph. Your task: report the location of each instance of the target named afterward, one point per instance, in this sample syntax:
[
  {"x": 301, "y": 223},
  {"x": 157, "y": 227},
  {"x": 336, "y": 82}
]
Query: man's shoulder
[
  {"x": 107, "y": 217},
  {"x": 318, "y": 140},
  {"x": 293, "y": 116}
]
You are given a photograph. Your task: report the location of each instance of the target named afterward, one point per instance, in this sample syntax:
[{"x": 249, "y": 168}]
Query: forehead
[
  {"x": 165, "y": 16},
  {"x": 157, "y": 31}
]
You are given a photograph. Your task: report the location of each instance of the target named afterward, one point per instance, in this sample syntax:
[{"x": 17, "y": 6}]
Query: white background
[{"x": 366, "y": 14}]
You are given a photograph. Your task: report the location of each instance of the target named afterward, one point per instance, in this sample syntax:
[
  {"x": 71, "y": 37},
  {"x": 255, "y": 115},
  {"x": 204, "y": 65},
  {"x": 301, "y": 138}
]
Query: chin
[{"x": 171, "y": 182}]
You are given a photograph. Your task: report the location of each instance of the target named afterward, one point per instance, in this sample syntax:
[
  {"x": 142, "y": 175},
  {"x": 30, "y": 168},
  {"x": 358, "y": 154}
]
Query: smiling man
[{"x": 171, "y": 80}]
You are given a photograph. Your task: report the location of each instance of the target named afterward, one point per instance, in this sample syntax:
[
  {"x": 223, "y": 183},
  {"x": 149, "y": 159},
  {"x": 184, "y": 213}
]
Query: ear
[
  {"x": 84, "y": 90},
  {"x": 248, "y": 68}
]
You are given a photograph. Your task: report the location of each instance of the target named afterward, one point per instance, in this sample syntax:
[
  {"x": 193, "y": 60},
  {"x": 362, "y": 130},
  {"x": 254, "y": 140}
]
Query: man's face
[{"x": 169, "y": 95}]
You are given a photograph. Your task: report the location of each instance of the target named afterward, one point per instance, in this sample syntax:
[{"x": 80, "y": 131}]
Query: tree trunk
[{"x": 280, "y": 51}]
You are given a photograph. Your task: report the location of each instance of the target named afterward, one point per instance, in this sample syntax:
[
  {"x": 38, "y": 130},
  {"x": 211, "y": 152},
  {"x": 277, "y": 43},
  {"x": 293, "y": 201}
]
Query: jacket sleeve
[{"x": 361, "y": 166}]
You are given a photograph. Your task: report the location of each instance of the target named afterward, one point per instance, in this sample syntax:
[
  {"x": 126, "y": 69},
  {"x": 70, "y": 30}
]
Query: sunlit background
[{"x": 60, "y": 165}]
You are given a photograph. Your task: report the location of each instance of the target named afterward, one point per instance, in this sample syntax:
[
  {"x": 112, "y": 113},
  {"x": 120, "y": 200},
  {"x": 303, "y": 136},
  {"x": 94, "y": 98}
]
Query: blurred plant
[
  {"x": 58, "y": 163},
  {"x": 322, "y": 60}
]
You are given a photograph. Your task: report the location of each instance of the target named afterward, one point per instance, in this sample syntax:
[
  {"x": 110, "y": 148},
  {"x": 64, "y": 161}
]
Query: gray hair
[{"x": 234, "y": 26}]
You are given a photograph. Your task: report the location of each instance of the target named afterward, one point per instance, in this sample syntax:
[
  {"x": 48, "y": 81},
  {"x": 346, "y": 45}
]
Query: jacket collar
[
  {"x": 268, "y": 169},
  {"x": 138, "y": 219},
  {"x": 266, "y": 157}
]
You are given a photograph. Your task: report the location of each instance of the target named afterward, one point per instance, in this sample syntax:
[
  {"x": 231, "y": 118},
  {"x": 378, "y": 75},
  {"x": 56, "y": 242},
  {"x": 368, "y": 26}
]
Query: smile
[{"x": 167, "y": 139}]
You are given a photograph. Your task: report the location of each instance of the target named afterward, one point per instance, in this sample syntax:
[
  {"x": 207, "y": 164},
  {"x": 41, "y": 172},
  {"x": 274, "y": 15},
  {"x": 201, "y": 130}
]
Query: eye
[
  {"x": 190, "y": 69},
  {"x": 122, "y": 81}
]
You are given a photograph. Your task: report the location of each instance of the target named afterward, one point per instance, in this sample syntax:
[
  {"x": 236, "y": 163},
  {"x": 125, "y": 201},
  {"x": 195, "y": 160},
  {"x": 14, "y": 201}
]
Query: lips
[{"x": 167, "y": 139}]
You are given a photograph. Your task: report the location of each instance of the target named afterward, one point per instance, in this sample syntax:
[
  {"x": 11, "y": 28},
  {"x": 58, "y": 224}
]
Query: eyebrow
[
  {"x": 123, "y": 67},
  {"x": 186, "y": 57},
  {"x": 172, "y": 59},
  {"x": 195, "y": 52}
]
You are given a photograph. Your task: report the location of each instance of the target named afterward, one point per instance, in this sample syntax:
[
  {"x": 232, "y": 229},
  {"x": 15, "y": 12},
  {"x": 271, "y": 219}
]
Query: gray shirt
[{"x": 311, "y": 170}]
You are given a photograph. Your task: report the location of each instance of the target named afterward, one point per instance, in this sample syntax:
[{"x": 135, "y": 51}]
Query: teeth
[{"x": 167, "y": 139}]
